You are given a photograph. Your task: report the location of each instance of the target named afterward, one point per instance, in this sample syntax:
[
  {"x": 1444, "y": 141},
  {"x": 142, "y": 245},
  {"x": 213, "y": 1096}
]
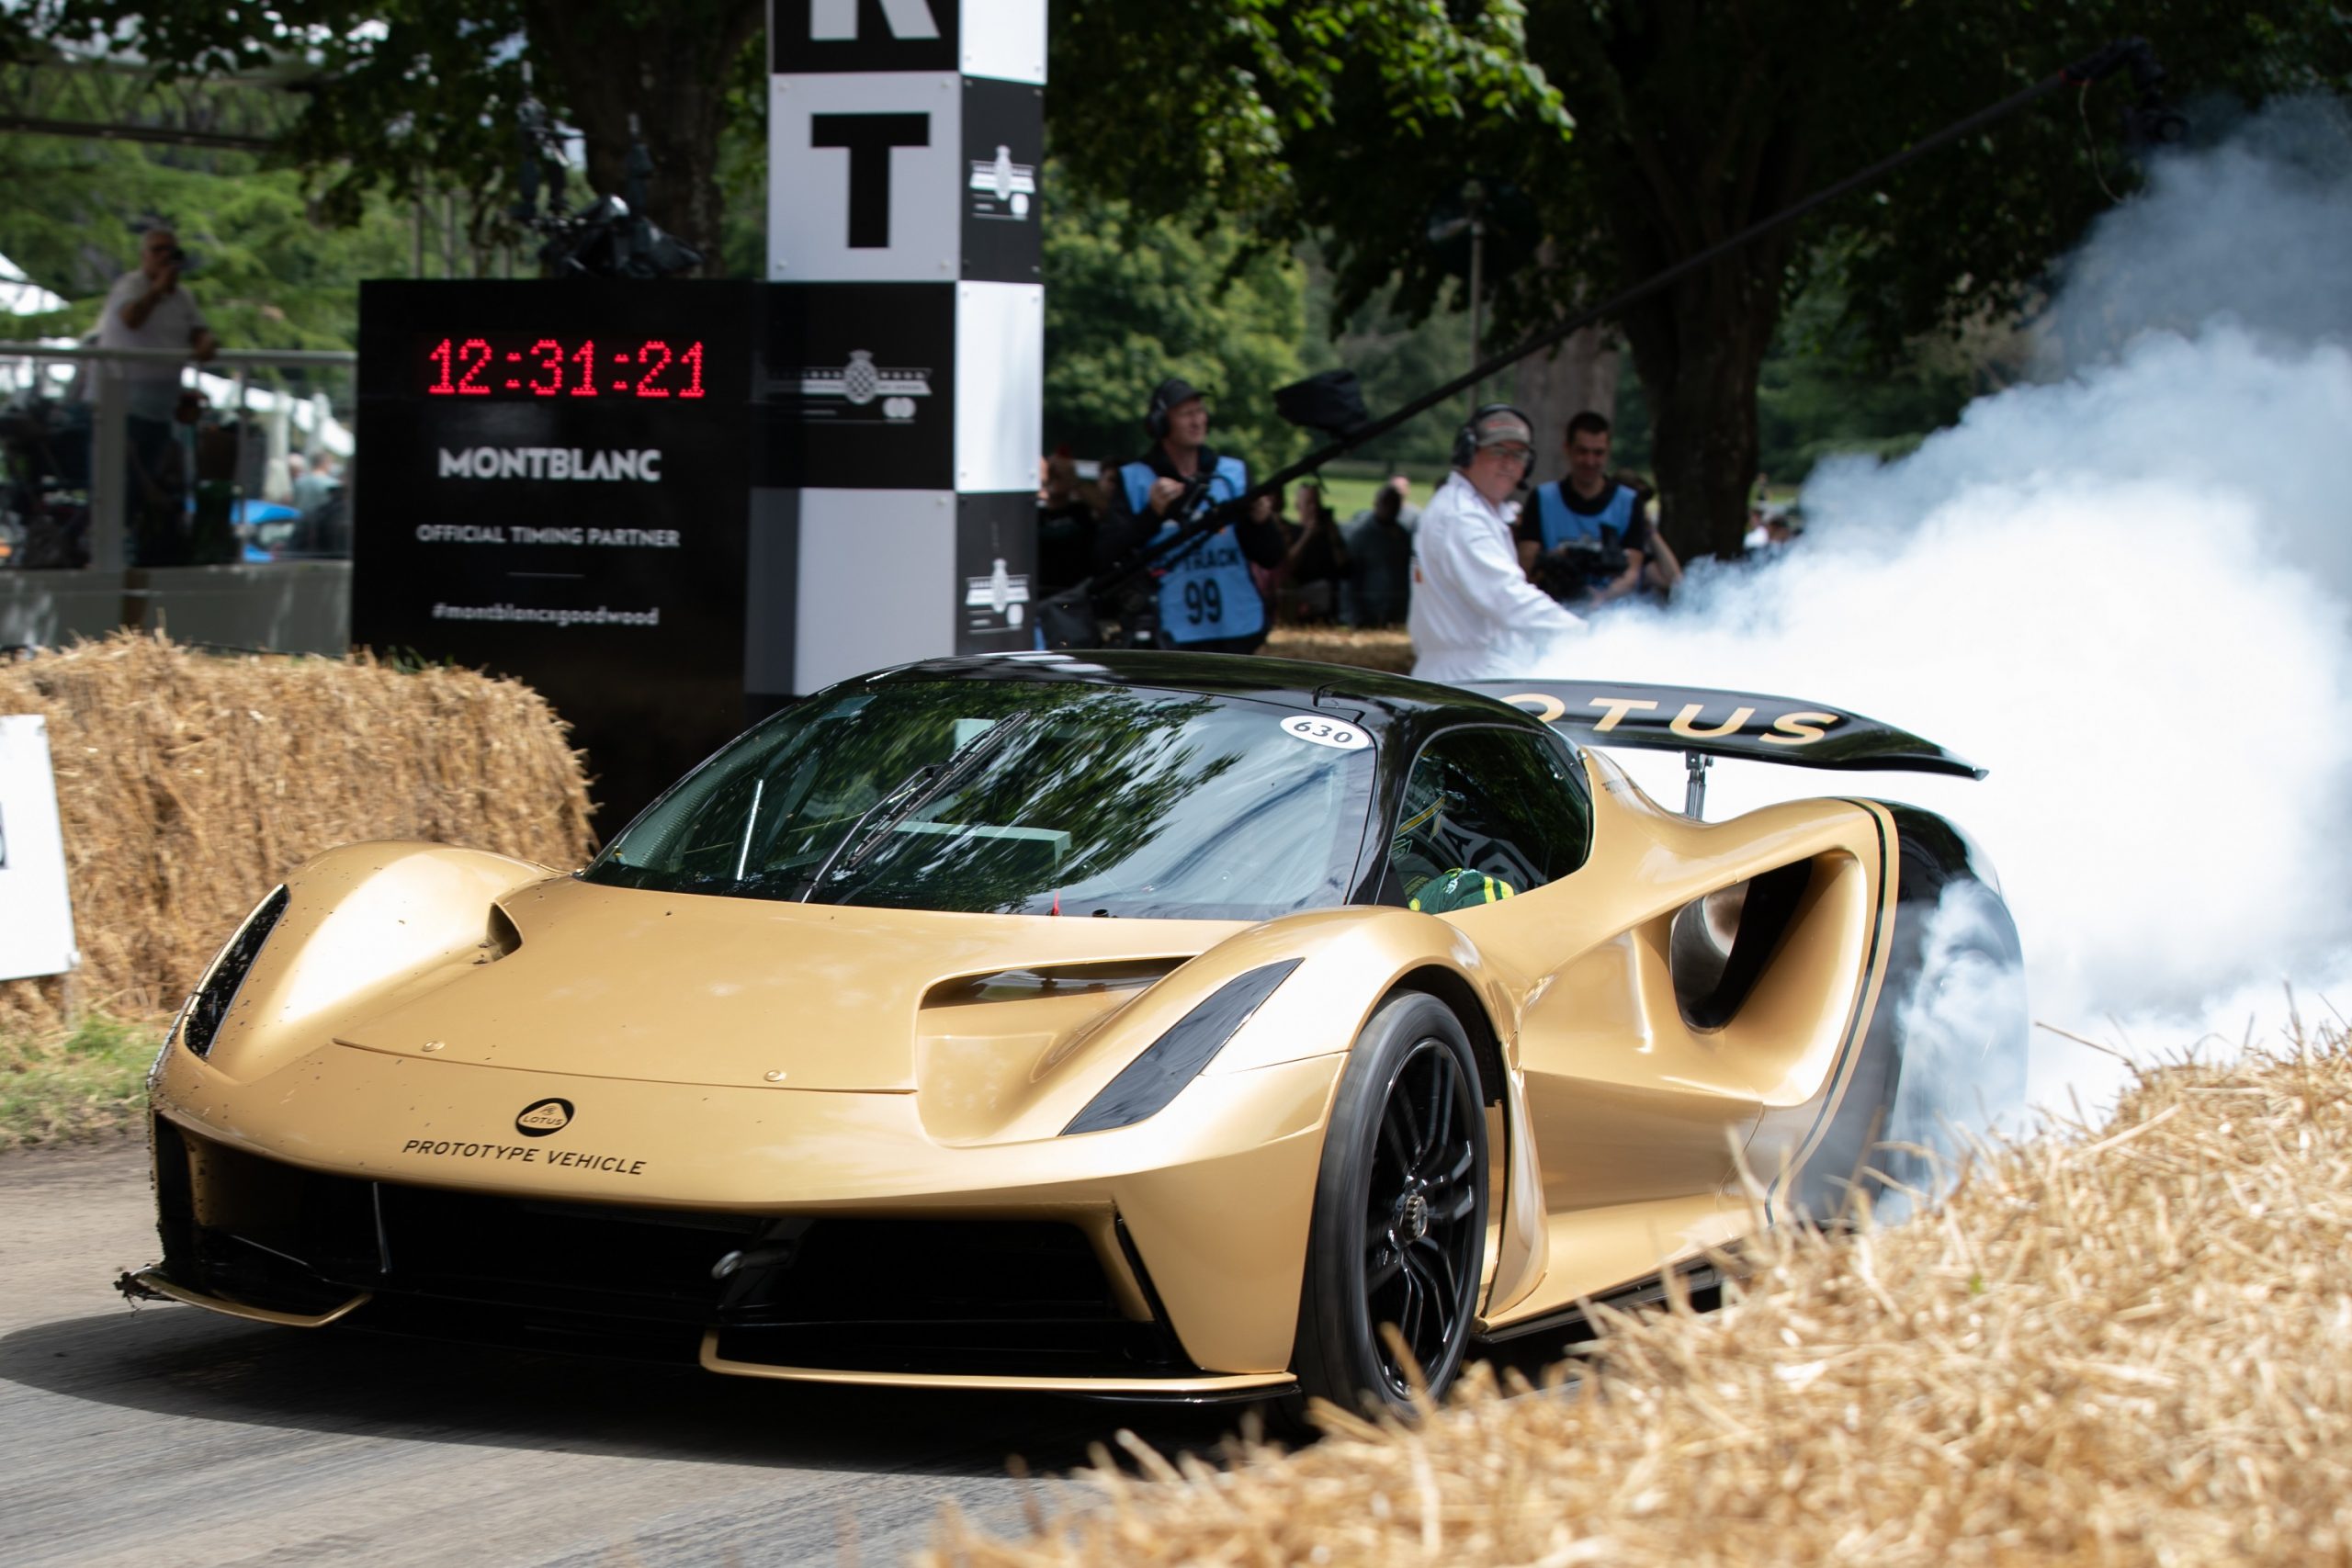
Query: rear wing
[{"x": 1703, "y": 724}]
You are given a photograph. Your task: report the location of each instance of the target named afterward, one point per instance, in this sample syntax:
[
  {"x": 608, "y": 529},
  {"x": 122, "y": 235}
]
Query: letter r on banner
[
  {"x": 832, "y": 20},
  {"x": 873, "y": 35}
]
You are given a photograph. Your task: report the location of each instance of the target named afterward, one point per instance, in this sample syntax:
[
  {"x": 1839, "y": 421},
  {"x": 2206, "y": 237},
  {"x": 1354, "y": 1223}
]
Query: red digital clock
[{"x": 511, "y": 367}]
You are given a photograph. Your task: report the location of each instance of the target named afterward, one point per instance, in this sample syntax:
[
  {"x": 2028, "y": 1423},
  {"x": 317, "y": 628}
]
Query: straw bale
[
  {"x": 2128, "y": 1344},
  {"x": 1388, "y": 650},
  {"x": 188, "y": 784}
]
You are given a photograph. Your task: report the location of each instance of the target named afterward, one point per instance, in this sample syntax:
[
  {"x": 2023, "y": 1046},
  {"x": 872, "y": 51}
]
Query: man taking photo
[
  {"x": 1585, "y": 540},
  {"x": 1474, "y": 613},
  {"x": 148, "y": 309},
  {"x": 1204, "y": 600}
]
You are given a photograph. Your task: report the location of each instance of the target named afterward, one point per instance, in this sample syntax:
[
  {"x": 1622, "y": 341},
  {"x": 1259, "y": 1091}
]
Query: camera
[
  {"x": 1195, "y": 496},
  {"x": 1570, "y": 570}
]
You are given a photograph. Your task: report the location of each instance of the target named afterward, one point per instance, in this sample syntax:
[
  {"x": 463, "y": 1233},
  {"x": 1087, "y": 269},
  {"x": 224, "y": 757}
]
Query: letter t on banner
[{"x": 900, "y": 387}]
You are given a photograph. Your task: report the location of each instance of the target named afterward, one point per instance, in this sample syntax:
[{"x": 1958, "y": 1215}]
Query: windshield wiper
[{"x": 925, "y": 784}]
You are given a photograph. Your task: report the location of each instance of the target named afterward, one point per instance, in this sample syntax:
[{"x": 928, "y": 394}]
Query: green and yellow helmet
[{"x": 1458, "y": 889}]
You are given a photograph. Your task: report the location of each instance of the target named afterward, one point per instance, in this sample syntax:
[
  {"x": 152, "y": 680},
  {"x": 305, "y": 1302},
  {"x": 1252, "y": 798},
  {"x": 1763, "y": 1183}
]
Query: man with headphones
[
  {"x": 1586, "y": 541},
  {"x": 1474, "y": 614},
  {"x": 1204, "y": 601}
]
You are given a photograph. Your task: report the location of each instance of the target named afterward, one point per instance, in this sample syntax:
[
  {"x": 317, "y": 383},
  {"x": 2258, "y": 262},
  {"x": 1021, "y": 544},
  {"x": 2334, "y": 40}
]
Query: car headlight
[
  {"x": 207, "y": 1006},
  {"x": 1146, "y": 1085}
]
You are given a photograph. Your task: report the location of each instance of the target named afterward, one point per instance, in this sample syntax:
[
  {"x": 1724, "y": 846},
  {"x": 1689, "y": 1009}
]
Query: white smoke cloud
[{"x": 2126, "y": 590}]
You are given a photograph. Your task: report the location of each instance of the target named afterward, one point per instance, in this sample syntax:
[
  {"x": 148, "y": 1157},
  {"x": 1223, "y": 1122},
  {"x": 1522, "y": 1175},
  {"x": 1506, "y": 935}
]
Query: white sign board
[{"x": 36, "y": 919}]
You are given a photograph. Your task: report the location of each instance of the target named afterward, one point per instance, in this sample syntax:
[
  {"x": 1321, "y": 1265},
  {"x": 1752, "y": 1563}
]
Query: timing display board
[{"x": 552, "y": 485}]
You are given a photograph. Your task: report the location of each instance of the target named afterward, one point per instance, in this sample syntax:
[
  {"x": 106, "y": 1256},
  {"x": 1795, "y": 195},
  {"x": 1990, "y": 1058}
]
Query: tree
[
  {"x": 1131, "y": 300},
  {"x": 267, "y": 276},
  {"x": 407, "y": 95},
  {"x": 1396, "y": 358},
  {"x": 1690, "y": 122}
]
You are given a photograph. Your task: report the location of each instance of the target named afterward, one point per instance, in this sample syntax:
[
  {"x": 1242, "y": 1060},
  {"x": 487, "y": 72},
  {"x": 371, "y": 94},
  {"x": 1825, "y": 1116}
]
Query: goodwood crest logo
[
  {"x": 1003, "y": 186},
  {"x": 859, "y": 384},
  {"x": 1001, "y": 594},
  {"x": 542, "y": 1117}
]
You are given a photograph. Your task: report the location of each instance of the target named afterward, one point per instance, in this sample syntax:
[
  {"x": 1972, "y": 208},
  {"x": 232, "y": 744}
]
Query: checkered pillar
[{"x": 899, "y": 385}]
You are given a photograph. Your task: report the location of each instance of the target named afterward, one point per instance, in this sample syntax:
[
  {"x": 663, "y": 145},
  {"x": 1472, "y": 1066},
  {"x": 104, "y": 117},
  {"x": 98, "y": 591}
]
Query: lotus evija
[{"x": 1134, "y": 1024}]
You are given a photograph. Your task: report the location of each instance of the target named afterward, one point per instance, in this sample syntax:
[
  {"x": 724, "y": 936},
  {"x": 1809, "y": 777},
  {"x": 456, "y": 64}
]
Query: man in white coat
[{"x": 1474, "y": 614}]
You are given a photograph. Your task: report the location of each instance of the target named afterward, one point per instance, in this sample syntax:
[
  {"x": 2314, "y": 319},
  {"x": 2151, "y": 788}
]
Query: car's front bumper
[{"x": 356, "y": 1187}]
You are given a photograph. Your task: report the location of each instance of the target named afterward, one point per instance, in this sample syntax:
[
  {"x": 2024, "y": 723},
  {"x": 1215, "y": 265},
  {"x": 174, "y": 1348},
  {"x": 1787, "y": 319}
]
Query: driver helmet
[{"x": 1459, "y": 889}]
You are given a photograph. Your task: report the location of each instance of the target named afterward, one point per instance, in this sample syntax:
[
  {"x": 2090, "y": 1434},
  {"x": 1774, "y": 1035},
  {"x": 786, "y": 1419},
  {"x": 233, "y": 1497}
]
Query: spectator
[
  {"x": 1661, "y": 569},
  {"x": 148, "y": 309},
  {"x": 1380, "y": 560},
  {"x": 1473, "y": 607},
  {"x": 1065, "y": 525},
  {"x": 1409, "y": 516},
  {"x": 1585, "y": 541},
  {"x": 1771, "y": 526},
  {"x": 316, "y": 488},
  {"x": 1316, "y": 562},
  {"x": 1204, "y": 600},
  {"x": 325, "y": 529}
]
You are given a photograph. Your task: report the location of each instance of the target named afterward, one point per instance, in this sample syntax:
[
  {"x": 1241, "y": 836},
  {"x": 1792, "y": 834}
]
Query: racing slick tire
[{"x": 1399, "y": 1226}]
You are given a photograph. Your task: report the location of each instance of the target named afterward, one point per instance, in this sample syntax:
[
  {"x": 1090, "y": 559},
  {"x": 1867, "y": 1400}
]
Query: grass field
[
  {"x": 1347, "y": 496},
  {"x": 73, "y": 1084}
]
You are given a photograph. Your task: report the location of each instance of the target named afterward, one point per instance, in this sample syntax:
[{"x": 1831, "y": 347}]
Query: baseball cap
[
  {"x": 1175, "y": 390},
  {"x": 1500, "y": 425}
]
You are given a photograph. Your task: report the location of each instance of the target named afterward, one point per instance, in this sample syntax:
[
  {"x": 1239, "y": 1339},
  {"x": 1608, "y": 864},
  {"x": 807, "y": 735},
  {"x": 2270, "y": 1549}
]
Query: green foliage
[
  {"x": 743, "y": 168},
  {"x": 1131, "y": 300},
  {"x": 1826, "y": 388},
  {"x": 1690, "y": 123},
  {"x": 89, "y": 1080},
  {"x": 1278, "y": 111},
  {"x": 270, "y": 275},
  {"x": 406, "y": 95},
  {"x": 1396, "y": 358}
]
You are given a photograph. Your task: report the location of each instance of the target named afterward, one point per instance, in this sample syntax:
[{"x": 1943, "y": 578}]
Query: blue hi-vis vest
[
  {"x": 1560, "y": 524},
  {"x": 1207, "y": 593}
]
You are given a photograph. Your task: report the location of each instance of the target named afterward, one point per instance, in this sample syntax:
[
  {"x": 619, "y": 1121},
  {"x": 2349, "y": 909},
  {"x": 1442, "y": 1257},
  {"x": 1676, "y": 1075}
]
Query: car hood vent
[{"x": 622, "y": 983}]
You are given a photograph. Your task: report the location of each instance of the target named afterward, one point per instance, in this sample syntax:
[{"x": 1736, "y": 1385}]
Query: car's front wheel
[{"x": 1399, "y": 1228}]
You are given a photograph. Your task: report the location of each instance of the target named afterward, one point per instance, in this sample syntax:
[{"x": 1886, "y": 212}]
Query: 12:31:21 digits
[{"x": 547, "y": 368}]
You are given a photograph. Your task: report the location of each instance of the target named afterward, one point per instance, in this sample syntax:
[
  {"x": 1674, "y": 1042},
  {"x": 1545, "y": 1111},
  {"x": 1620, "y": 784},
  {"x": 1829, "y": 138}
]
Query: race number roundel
[{"x": 1328, "y": 732}]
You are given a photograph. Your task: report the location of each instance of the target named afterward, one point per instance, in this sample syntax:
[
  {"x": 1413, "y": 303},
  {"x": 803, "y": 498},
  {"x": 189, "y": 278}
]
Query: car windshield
[{"x": 1015, "y": 798}]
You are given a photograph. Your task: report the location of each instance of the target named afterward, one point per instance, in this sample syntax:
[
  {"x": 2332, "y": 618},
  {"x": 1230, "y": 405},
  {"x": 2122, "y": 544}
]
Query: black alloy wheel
[{"x": 1400, "y": 1213}]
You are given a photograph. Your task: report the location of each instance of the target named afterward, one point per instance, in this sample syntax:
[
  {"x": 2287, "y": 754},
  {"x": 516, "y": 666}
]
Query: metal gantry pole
[{"x": 110, "y": 467}]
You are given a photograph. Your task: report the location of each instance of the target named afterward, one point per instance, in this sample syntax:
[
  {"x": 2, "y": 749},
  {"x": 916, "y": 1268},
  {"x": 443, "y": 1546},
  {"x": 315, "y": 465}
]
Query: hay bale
[
  {"x": 2127, "y": 1346},
  {"x": 188, "y": 784},
  {"x": 1388, "y": 650}
]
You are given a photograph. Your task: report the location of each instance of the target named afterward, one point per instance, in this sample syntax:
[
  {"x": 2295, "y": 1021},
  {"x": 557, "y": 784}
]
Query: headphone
[
  {"x": 1164, "y": 397},
  {"x": 1465, "y": 439}
]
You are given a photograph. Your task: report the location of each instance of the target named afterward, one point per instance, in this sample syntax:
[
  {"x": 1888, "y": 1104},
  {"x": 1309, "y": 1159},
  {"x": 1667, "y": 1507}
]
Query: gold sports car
[{"x": 1133, "y": 1025}]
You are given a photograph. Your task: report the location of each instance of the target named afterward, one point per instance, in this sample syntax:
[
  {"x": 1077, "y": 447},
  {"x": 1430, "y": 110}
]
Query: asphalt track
[{"x": 165, "y": 1434}]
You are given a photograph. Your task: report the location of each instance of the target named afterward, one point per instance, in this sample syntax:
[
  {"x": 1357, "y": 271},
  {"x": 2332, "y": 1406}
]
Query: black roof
[{"x": 1295, "y": 681}]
